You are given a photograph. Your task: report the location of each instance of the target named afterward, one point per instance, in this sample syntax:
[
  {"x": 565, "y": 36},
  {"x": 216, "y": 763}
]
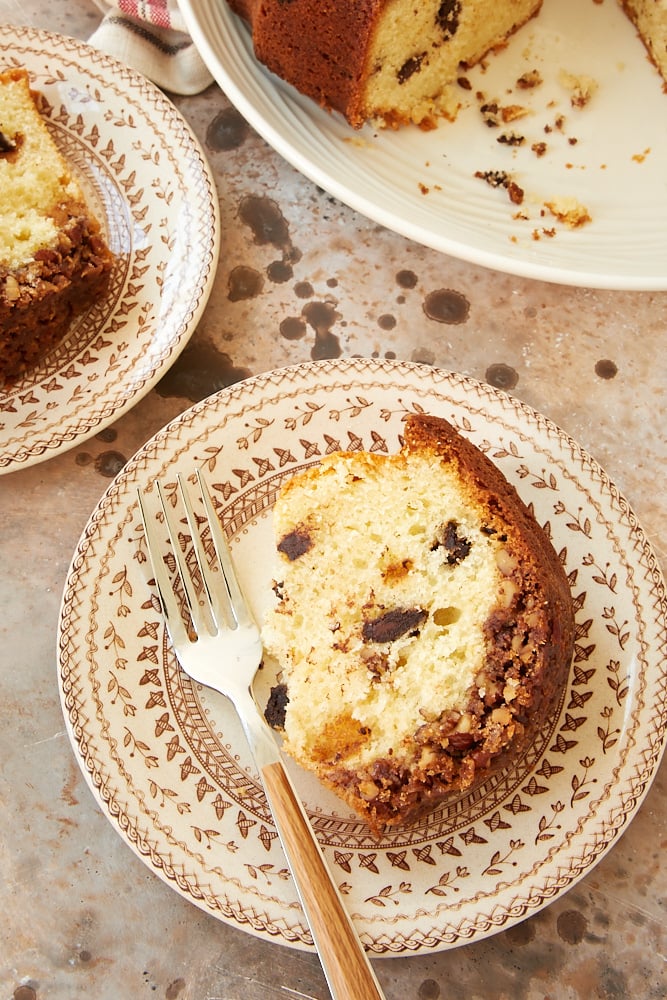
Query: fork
[{"x": 221, "y": 648}]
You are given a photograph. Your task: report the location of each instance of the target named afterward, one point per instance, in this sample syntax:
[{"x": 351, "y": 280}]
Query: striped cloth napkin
[{"x": 151, "y": 37}]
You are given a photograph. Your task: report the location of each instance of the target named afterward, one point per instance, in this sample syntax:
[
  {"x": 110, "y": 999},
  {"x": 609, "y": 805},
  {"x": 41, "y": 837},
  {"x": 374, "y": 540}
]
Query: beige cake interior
[
  {"x": 441, "y": 37},
  {"x": 339, "y": 705},
  {"x": 650, "y": 19},
  {"x": 34, "y": 182}
]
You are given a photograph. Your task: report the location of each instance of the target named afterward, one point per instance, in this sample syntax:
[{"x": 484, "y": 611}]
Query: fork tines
[{"x": 217, "y": 603}]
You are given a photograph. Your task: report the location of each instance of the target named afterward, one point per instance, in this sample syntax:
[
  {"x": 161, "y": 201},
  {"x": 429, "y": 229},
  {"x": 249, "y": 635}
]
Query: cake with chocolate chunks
[
  {"x": 423, "y": 623},
  {"x": 395, "y": 62}
]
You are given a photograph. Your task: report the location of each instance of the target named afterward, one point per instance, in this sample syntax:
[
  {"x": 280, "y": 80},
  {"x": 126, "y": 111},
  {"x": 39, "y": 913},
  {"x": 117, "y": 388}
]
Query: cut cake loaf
[
  {"x": 388, "y": 61},
  {"x": 394, "y": 61},
  {"x": 424, "y": 625}
]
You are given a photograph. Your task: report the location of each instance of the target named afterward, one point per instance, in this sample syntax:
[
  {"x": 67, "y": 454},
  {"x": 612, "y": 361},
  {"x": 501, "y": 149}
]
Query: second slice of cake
[
  {"x": 424, "y": 623},
  {"x": 54, "y": 262}
]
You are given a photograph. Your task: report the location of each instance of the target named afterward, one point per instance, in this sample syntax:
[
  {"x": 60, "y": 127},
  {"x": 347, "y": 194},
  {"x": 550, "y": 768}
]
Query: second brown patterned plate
[
  {"x": 148, "y": 182},
  {"x": 167, "y": 761}
]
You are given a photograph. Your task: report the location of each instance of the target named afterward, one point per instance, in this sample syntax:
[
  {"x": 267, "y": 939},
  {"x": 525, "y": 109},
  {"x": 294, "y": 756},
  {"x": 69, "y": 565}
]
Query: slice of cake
[
  {"x": 424, "y": 624},
  {"x": 53, "y": 259}
]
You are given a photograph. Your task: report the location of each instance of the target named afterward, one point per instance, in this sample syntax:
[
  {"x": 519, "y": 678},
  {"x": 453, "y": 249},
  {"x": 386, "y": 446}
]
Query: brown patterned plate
[
  {"x": 167, "y": 760},
  {"x": 147, "y": 180}
]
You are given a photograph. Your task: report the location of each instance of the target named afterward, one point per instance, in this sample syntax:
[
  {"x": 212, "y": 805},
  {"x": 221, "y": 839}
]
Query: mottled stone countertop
[{"x": 80, "y": 914}]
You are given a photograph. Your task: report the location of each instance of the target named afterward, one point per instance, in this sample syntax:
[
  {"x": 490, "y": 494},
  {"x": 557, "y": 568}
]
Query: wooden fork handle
[{"x": 345, "y": 963}]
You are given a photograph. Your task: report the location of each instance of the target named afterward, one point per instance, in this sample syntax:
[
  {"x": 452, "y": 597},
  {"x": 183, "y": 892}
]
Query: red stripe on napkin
[{"x": 153, "y": 11}]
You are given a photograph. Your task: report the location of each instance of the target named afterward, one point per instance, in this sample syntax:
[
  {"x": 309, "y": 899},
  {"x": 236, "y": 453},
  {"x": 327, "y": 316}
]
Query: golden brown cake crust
[
  {"x": 320, "y": 47},
  {"x": 528, "y": 645}
]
